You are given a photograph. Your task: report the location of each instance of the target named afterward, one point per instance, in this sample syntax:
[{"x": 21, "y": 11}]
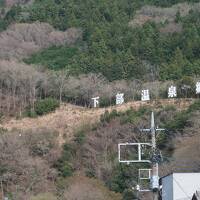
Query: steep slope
[
  {"x": 21, "y": 40},
  {"x": 185, "y": 157},
  {"x": 82, "y": 188},
  {"x": 110, "y": 43},
  {"x": 68, "y": 117},
  {"x": 91, "y": 152}
]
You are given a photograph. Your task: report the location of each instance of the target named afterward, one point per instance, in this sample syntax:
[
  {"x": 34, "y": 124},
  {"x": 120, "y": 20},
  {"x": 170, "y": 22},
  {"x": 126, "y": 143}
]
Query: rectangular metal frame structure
[
  {"x": 149, "y": 170},
  {"x": 139, "y": 153}
]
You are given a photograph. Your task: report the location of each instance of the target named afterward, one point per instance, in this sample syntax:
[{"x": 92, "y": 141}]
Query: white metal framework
[
  {"x": 141, "y": 178},
  {"x": 139, "y": 152}
]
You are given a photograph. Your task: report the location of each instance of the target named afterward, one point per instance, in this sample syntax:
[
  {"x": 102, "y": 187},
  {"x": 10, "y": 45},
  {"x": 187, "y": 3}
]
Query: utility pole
[
  {"x": 2, "y": 192},
  {"x": 154, "y": 160},
  {"x": 155, "y": 176}
]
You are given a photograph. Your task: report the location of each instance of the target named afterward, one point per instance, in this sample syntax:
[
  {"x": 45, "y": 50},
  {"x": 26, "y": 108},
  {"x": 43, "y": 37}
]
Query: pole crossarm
[{"x": 149, "y": 129}]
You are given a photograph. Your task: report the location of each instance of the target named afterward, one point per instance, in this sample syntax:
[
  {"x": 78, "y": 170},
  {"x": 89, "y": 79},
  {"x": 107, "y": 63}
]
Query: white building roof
[{"x": 180, "y": 186}]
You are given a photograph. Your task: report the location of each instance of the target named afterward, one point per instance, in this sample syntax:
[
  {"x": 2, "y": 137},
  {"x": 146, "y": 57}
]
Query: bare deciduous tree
[
  {"x": 21, "y": 40},
  {"x": 24, "y": 162},
  {"x": 20, "y": 84}
]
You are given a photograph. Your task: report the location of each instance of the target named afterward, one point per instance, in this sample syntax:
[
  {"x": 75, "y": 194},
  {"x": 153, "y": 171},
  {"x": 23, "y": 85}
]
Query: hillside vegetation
[
  {"x": 89, "y": 150},
  {"x": 55, "y": 55},
  {"x": 110, "y": 46},
  {"x": 76, "y": 50}
]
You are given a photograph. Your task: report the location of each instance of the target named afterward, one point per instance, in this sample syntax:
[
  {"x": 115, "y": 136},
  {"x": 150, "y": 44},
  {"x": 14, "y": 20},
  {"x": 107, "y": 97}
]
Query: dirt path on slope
[{"x": 68, "y": 117}]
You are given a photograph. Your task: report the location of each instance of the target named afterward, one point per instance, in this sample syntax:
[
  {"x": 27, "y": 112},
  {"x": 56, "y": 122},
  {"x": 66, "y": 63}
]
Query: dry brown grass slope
[
  {"x": 84, "y": 188},
  {"x": 186, "y": 155},
  {"x": 68, "y": 117}
]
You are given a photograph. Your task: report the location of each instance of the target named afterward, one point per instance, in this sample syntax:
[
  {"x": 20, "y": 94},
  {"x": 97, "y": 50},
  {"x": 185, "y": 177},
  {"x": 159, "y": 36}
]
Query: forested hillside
[
  {"x": 112, "y": 46},
  {"x": 118, "y": 46},
  {"x": 54, "y": 53}
]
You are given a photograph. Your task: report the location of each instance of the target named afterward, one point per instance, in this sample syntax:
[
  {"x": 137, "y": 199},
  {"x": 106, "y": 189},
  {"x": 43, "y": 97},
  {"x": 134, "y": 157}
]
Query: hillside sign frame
[{"x": 139, "y": 147}]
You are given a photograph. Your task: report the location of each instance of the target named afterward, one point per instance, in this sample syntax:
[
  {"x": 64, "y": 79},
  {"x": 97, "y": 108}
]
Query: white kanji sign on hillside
[
  {"x": 119, "y": 98},
  {"x": 198, "y": 88},
  {"x": 145, "y": 95},
  {"x": 172, "y": 92},
  {"x": 95, "y": 101}
]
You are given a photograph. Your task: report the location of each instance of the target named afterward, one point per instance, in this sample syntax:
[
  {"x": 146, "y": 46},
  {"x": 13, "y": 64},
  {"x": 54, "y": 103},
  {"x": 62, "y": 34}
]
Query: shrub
[
  {"x": 195, "y": 106},
  {"x": 107, "y": 117},
  {"x": 161, "y": 140},
  {"x": 80, "y": 137},
  {"x": 41, "y": 148},
  {"x": 137, "y": 97},
  {"x": 64, "y": 163},
  {"x": 124, "y": 177},
  {"x": 66, "y": 169},
  {"x": 40, "y": 142},
  {"x": 90, "y": 173},
  {"x": 2, "y": 130},
  {"x": 163, "y": 93},
  {"x": 129, "y": 194},
  {"x": 132, "y": 116},
  {"x": 181, "y": 118},
  {"x": 186, "y": 87},
  {"x": 105, "y": 102},
  {"x": 1, "y": 116},
  {"x": 46, "y": 106},
  {"x": 169, "y": 108},
  {"x": 29, "y": 113},
  {"x": 179, "y": 122}
]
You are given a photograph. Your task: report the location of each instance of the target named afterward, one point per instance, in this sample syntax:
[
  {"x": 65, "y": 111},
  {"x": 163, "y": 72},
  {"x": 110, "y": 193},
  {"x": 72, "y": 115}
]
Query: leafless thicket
[
  {"x": 19, "y": 86},
  {"x": 101, "y": 145},
  {"x": 21, "y": 40},
  {"x": 161, "y": 15},
  {"x": 26, "y": 160},
  {"x": 10, "y": 3}
]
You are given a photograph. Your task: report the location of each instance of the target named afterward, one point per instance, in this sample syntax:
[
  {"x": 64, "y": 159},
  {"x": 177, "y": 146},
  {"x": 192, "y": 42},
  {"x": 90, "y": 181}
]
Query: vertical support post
[
  {"x": 119, "y": 152},
  {"x": 139, "y": 152},
  {"x": 154, "y": 178},
  {"x": 2, "y": 192}
]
